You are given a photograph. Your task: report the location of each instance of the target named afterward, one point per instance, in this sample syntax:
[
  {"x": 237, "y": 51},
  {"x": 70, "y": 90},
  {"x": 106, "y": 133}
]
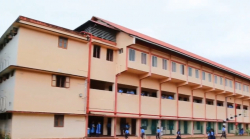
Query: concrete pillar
[
  {"x": 113, "y": 126},
  {"x": 105, "y": 123},
  {"x": 138, "y": 127}
]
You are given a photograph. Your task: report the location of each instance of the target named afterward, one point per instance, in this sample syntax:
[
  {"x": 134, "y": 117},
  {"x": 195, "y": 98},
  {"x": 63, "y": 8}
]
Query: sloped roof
[{"x": 148, "y": 38}]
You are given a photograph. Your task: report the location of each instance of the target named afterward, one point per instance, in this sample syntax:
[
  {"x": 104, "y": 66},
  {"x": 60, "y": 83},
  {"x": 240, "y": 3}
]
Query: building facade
[{"x": 57, "y": 83}]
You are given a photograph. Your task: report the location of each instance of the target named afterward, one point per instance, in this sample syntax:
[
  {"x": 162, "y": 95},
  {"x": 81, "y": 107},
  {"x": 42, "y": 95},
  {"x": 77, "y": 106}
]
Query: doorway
[
  {"x": 94, "y": 120},
  {"x": 133, "y": 127}
]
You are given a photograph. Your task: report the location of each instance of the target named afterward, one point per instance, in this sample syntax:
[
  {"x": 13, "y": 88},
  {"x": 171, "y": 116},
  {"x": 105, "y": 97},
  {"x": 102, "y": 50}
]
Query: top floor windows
[
  {"x": 230, "y": 83},
  {"x": 164, "y": 64},
  {"x": 144, "y": 58},
  {"x": 197, "y": 73},
  {"x": 131, "y": 55},
  {"x": 215, "y": 79},
  {"x": 189, "y": 71},
  {"x": 182, "y": 67},
  {"x": 203, "y": 75},
  {"x": 63, "y": 43},
  {"x": 154, "y": 61},
  {"x": 173, "y": 67},
  {"x": 221, "y": 81},
  {"x": 226, "y": 84},
  {"x": 245, "y": 88},
  {"x": 209, "y": 77},
  {"x": 109, "y": 54},
  {"x": 97, "y": 51}
]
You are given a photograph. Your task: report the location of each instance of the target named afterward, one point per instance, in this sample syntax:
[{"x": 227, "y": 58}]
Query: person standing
[
  {"x": 158, "y": 132},
  {"x": 223, "y": 132},
  {"x": 142, "y": 133},
  {"x": 126, "y": 133},
  {"x": 178, "y": 134},
  {"x": 92, "y": 130},
  {"x": 98, "y": 129}
]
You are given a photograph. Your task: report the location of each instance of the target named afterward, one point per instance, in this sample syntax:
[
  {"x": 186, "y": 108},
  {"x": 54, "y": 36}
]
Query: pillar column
[
  {"x": 105, "y": 123},
  {"x": 113, "y": 126},
  {"x": 138, "y": 127}
]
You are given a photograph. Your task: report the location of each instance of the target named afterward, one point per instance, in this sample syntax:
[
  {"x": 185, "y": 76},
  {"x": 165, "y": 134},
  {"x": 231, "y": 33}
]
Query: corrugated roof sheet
[{"x": 140, "y": 35}]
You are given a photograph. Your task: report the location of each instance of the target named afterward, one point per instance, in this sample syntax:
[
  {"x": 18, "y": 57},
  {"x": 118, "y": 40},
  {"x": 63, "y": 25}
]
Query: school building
[{"x": 56, "y": 82}]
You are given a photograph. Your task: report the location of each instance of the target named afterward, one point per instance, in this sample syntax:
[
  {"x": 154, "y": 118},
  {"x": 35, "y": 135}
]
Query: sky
[{"x": 217, "y": 30}]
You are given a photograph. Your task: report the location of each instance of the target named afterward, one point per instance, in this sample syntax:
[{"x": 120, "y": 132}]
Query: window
[
  {"x": 173, "y": 67},
  {"x": 131, "y": 55},
  {"x": 197, "y": 73},
  {"x": 230, "y": 83},
  {"x": 96, "y": 52},
  {"x": 203, "y": 75},
  {"x": 120, "y": 50},
  {"x": 60, "y": 81},
  {"x": 182, "y": 69},
  {"x": 225, "y": 82},
  {"x": 189, "y": 71},
  {"x": 109, "y": 54},
  {"x": 239, "y": 86},
  {"x": 244, "y": 87},
  {"x": 164, "y": 64},
  {"x": 236, "y": 85},
  {"x": 209, "y": 77},
  {"x": 62, "y": 42},
  {"x": 144, "y": 58},
  {"x": 221, "y": 81},
  {"x": 58, "y": 120},
  {"x": 154, "y": 61}
]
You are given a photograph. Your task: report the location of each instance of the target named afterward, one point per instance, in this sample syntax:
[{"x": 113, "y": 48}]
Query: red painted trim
[
  {"x": 177, "y": 102},
  {"x": 170, "y": 67},
  {"x": 138, "y": 49},
  {"x": 127, "y": 58},
  {"x": 116, "y": 78},
  {"x": 160, "y": 99},
  {"x": 103, "y": 40},
  {"x": 139, "y": 97},
  {"x": 205, "y": 103},
  {"x": 186, "y": 72},
  {"x": 160, "y": 56},
  {"x": 192, "y": 103},
  {"x": 235, "y": 105},
  {"x": 193, "y": 67},
  {"x": 178, "y": 62}
]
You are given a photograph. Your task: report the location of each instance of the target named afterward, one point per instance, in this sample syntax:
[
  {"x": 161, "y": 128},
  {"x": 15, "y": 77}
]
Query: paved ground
[{"x": 235, "y": 137}]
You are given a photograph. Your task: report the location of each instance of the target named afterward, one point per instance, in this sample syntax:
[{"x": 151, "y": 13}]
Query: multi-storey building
[{"x": 56, "y": 82}]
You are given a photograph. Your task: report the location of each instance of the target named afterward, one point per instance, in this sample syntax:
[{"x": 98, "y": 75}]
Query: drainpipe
[{"x": 88, "y": 79}]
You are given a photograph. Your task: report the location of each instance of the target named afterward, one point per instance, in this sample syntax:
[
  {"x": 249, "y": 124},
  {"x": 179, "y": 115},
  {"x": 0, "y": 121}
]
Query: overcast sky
[{"x": 217, "y": 30}]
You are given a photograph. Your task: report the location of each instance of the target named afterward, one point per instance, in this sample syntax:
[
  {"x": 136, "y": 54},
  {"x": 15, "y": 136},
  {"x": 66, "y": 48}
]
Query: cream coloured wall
[
  {"x": 150, "y": 105},
  {"x": 40, "y": 50},
  {"x": 210, "y": 111},
  {"x": 33, "y": 92},
  {"x": 101, "y": 100},
  {"x": 169, "y": 87},
  {"x": 127, "y": 103},
  {"x": 8, "y": 54},
  {"x": 128, "y": 79},
  {"x": 42, "y": 126},
  {"x": 137, "y": 64},
  {"x": 221, "y": 112},
  {"x": 184, "y": 109},
  {"x": 123, "y": 40},
  {"x": 101, "y": 69},
  {"x": 168, "y": 107},
  {"x": 150, "y": 83},
  {"x": 198, "y": 110}
]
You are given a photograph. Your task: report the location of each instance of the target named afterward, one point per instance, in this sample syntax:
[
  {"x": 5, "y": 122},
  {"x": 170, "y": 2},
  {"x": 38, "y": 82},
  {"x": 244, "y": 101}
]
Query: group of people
[
  {"x": 166, "y": 97},
  {"x": 95, "y": 130}
]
